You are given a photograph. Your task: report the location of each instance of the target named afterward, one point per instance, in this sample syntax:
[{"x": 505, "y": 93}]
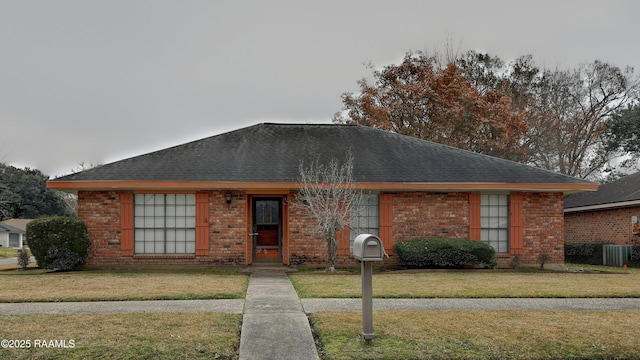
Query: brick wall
[
  {"x": 229, "y": 230},
  {"x": 543, "y": 228},
  {"x": 420, "y": 214},
  {"x": 612, "y": 226},
  {"x": 306, "y": 247},
  {"x": 415, "y": 214},
  {"x": 101, "y": 212}
]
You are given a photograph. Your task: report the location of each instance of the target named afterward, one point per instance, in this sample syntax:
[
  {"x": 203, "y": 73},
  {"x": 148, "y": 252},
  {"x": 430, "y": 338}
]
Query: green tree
[
  {"x": 623, "y": 136},
  {"x": 623, "y": 130},
  {"x": 23, "y": 194}
]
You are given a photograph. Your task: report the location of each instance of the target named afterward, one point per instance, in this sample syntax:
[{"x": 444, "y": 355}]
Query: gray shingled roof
[
  {"x": 9, "y": 228},
  {"x": 622, "y": 190},
  {"x": 273, "y": 152}
]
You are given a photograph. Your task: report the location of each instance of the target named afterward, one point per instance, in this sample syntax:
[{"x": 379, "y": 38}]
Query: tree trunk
[{"x": 331, "y": 254}]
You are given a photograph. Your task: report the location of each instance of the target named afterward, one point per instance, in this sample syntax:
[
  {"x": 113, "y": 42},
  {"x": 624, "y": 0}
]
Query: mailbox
[{"x": 368, "y": 247}]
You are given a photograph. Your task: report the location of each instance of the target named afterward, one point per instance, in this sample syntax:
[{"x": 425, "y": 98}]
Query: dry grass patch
[
  {"x": 471, "y": 284},
  {"x": 126, "y": 336},
  {"x": 8, "y": 252},
  {"x": 93, "y": 286},
  {"x": 480, "y": 335}
]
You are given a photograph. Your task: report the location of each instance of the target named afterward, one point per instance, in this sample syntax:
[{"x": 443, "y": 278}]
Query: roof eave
[
  {"x": 608, "y": 206},
  {"x": 122, "y": 185}
]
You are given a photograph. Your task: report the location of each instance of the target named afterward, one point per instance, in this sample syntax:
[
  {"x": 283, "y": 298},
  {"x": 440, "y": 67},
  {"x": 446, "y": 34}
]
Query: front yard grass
[
  {"x": 472, "y": 284},
  {"x": 37, "y": 285},
  {"x": 480, "y": 335},
  {"x": 124, "y": 336},
  {"x": 8, "y": 252}
]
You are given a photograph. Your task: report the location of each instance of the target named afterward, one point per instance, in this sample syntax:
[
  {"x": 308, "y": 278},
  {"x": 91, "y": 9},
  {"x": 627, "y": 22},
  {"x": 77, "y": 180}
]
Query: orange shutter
[
  {"x": 126, "y": 224},
  {"x": 474, "y": 216},
  {"x": 202, "y": 223},
  {"x": 515, "y": 224},
  {"x": 386, "y": 221},
  {"x": 342, "y": 237}
]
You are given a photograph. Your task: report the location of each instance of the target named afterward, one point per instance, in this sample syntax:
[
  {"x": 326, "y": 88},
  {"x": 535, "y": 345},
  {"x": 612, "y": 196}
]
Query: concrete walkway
[
  {"x": 274, "y": 325},
  {"x": 310, "y": 306}
]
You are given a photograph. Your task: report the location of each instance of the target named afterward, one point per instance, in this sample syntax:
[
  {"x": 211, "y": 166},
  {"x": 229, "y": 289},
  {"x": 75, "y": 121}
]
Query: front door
[{"x": 267, "y": 228}]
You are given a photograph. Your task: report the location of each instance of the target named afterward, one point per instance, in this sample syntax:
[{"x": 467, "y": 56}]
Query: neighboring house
[
  {"x": 229, "y": 199},
  {"x": 608, "y": 215},
  {"x": 11, "y": 236}
]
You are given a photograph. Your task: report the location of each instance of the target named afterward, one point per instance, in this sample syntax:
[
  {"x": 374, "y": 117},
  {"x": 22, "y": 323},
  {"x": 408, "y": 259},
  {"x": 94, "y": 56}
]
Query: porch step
[{"x": 265, "y": 267}]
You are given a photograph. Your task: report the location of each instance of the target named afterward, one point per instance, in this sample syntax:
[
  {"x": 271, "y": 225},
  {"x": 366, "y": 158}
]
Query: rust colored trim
[
  {"x": 516, "y": 245},
  {"x": 474, "y": 216},
  {"x": 285, "y": 230},
  {"x": 202, "y": 223},
  {"x": 281, "y": 187},
  {"x": 249, "y": 239},
  {"x": 126, "y": 224},
  {"x": 386, "y": 221}
]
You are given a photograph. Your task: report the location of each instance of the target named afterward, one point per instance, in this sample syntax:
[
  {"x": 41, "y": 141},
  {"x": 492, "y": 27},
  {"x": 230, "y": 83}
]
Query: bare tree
[{"x": 329, "y": 194}]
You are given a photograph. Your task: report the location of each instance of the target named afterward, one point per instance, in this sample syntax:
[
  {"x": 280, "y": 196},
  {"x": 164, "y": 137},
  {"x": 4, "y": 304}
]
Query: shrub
[
  {"x": 584, "y": 253},
  {"x": 634, "y": 259},
  {"x": 635, "y": 253},
  {"x": 23, "y": 257},
  {"x": 543, "y": 258},
  {"x": 444, "y": 253},
  {"x": 58, "y": 243}
]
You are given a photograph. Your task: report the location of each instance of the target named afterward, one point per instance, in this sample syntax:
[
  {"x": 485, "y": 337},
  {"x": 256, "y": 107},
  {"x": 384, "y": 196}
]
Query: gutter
[{"x": 603, "y": 206}]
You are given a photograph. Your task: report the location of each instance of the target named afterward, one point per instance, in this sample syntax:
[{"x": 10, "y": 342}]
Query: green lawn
[
  {"x": 472, "y": 284},
  {"x": 37, "y": 285},
  {"x": 8, "y": 252},
  {"x": 480, "y": 335},
  {"x": 123, "y": 336},
  {"x": 399, "y": 334}
]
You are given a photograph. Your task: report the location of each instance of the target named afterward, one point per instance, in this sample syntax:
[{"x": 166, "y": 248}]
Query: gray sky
[{"x": 99, "y": 81}]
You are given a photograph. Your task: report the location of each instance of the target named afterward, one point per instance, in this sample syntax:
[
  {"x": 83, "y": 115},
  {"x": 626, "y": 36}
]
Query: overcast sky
[{"x": 99, "y": 81}]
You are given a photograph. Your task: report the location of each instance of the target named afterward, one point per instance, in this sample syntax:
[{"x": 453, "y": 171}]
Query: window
[
  {"x": 494, "y": 221},
  {"x": 267, "y": 212},
  {"x": 364, "y": 219},
  {"x": 165, "y": 223}
]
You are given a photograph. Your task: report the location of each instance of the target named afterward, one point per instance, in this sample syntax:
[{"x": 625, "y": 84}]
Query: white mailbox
[{"x": 368, "y": 247}]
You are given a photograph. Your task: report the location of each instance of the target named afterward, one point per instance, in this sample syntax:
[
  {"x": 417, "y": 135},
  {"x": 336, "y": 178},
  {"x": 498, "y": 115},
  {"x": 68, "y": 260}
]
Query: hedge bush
[
  {"x": 58, "y": 243},
  {"x": 634, "y": 259},
  {"x": 584, "y": 253},
  {"x": 434, "y": 253}
]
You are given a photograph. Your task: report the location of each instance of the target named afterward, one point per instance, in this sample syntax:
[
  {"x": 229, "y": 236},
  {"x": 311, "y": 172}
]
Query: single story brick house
[
  {"x": 227, "y": 199},
  {"x": 608, "y": 215}
]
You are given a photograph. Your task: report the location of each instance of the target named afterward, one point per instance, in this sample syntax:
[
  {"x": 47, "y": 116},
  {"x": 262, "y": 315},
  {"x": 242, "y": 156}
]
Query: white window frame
[
  {"x": 494, "y": 221},
  {"x": 365, "y": 217},
  {"x": 164, "y": 223}
]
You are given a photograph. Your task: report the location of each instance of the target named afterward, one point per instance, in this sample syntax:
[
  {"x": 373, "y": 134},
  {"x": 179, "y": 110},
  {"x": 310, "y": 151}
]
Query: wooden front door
[{"x": 267, "y": 228}]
